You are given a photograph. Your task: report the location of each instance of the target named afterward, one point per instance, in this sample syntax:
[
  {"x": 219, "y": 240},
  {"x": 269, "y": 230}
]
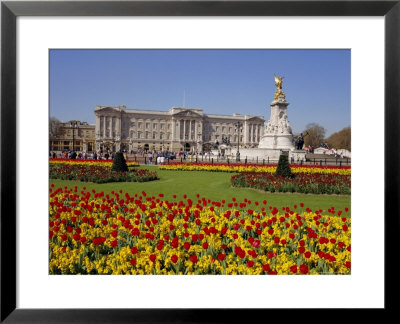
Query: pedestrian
[{"x": 150, "y": 156}]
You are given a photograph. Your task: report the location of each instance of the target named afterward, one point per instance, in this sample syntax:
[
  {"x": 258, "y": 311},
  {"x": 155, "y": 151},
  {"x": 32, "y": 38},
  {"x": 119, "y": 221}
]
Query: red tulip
[
  {"x": 304, "y": 269},
  {"x": 266, "y": 267},
  {"x": 174, "y": 258}
]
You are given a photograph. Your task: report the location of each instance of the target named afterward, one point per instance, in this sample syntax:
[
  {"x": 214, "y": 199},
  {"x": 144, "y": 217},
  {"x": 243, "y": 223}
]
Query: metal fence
[{"x": 325, "y": 161}]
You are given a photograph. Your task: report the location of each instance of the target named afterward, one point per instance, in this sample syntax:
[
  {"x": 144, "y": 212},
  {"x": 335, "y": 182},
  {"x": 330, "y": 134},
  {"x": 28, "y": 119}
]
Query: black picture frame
[{"x": 10, "y": 10}]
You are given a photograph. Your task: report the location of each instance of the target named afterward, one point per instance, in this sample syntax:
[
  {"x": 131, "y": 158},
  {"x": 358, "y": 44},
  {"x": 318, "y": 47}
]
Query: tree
[
  {"x": 119, "y": 163},
  {"x": 340, "y": 139},
  {"x": 55, "y": 127},
  {"x": 283, "y": 168},
  {"x": 314, "y": 135}
]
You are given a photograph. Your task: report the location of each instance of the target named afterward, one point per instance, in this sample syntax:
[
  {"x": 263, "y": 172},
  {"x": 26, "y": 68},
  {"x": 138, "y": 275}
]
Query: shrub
[
  {"x": 119, "y": 164},
  {"x": 283, "y": 168}
]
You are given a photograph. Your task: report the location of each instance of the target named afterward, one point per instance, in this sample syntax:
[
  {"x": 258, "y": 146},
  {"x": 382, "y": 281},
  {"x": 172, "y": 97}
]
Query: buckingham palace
[{"x": 178, "y": 129}]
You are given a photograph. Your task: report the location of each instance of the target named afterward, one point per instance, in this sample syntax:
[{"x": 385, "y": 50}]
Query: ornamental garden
[{"x": 119, "y": 217}]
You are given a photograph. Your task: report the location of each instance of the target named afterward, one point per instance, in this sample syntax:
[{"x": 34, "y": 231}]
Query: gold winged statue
[{"x": 278, "y": 83}]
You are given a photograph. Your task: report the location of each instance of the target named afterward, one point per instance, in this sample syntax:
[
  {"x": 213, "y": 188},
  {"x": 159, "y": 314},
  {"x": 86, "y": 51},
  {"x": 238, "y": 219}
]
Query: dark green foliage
[
  {"x": 119, "y": 163},
  {"x": 283, "y": 168}
]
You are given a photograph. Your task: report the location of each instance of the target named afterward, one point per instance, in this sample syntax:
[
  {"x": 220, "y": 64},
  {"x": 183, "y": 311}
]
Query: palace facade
[{"x": 177, "y": 129}]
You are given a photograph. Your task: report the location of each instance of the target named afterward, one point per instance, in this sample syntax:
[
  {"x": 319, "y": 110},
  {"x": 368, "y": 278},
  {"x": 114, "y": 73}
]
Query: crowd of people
[
  {"x": 160, "y": 157},
  {"x": 151, "y": 157},
  {"x": 84, "y": 156}
]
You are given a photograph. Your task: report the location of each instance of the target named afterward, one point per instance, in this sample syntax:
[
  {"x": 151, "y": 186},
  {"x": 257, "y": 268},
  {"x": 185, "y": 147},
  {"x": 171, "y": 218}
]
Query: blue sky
[{"x": 316, "y": 82}]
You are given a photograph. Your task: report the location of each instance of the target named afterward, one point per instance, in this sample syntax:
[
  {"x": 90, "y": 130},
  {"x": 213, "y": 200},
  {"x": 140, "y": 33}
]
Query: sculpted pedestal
[{"x": 278, "y": 133}]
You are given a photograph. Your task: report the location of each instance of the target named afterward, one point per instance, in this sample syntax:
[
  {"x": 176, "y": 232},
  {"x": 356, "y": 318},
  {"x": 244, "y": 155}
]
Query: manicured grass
[{"x": 210, "y": 185}]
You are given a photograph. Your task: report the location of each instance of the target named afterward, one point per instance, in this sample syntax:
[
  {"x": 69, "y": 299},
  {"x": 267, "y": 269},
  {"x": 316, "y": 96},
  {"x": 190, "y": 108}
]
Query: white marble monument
[
  {"x": 278, "y": 133},
  {"x": 277, "y": 137}
]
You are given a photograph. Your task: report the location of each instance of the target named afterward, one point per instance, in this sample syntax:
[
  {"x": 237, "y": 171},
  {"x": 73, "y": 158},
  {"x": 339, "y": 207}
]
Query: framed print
[{"x": 38, "y": 40}]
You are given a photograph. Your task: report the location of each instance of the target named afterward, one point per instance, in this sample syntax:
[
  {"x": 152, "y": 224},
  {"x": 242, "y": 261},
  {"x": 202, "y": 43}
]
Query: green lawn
[{"x": 211, "y": 185}]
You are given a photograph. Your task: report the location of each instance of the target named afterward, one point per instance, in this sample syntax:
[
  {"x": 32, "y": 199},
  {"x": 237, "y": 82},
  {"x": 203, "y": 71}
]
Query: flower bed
[
  {"x": 316, "y": 183},
  {"x": 96, "y": 233},
  {"x": 254, "y": 168},
  {"x": 101, "y": 163},
  {"x": 97, "y": 174}
]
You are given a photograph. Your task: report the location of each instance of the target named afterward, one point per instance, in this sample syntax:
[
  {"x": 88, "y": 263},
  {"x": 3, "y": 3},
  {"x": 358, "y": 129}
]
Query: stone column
[
  {"x": 118, "y": 126},
  {"x": 250, "y": 133},
  {"x": 97, "y": 129},
  {"x": 184, "y": 129},
  {"x": 245, "y": 126},
  {"x": 104, "y": 126},
  {"x": 173, "y": 130}
]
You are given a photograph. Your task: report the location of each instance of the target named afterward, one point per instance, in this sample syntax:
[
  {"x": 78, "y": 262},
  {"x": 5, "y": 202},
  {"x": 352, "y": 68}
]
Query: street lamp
[
  {"x": 238, "y": 126},
  {"x": 73, "y": 125}
]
